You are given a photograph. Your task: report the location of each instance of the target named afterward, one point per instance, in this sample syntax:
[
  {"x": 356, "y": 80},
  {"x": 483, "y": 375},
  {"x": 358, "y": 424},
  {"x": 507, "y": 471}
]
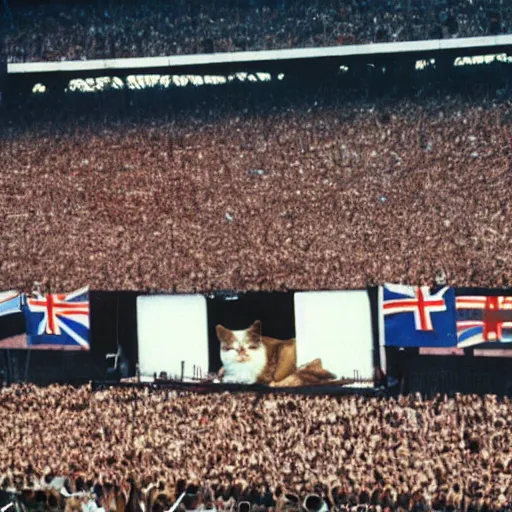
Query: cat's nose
[{"x": 242, "y": 355}]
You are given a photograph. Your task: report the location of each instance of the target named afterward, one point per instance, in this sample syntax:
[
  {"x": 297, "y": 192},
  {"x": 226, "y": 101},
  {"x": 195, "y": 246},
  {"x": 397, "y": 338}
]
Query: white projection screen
[
  {"x": 337, "y": 328},
  {"x": 172, "y": 329}
]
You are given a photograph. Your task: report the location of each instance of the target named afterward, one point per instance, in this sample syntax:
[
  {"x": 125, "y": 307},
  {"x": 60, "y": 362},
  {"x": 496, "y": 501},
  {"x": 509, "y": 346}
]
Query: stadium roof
[{"x": 268, "y": 61}]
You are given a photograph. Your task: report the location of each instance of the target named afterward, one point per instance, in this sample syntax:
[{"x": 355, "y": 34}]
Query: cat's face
[
  {"x": 243, "y": 354},
  {"x": 239, "y": 346}
]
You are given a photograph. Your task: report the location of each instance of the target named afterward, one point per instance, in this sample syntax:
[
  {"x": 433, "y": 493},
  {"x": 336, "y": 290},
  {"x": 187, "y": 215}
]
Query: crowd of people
[
  {"x": 270, "y": 450},
  {"x": 321, "y": 193},
  {"x": 154, "y": 28}
]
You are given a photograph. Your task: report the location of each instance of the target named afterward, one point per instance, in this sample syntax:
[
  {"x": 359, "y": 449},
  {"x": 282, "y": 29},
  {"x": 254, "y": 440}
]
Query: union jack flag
[
  {"x": 59, "y": 319},
  {"x": 414, "y": 317},
  {"x": 482, "y": 319}
]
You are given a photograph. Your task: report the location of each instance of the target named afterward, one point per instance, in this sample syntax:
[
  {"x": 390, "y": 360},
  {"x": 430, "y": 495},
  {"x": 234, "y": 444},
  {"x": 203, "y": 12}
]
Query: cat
[{"x": 248, "y": 357}]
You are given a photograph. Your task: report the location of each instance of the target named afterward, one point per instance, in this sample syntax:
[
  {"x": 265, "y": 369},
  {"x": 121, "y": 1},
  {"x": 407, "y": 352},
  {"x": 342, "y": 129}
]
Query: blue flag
[
  {"x": 413, "y": 317},
  {"x": 59, "y": 320}
]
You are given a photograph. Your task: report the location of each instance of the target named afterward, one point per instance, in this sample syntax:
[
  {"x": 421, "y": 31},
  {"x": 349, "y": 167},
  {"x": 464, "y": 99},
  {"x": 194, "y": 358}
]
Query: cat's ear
[
  {"x": 256, "y": 327},
  {"x": 222, "y": 333}
]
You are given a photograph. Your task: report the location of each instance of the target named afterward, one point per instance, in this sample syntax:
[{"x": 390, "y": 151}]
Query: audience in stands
[
  {"x": 385, "y": 454},
  {"x": 155, "y": 28},
  {"x": 328, "y": 193},
  {"x": 322, "y": 193}
]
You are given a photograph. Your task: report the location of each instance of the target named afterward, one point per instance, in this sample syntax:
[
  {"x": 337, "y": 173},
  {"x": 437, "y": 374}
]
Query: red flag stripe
[
  {"x": 405, "y": 303},
  {"x": 43, "y": 303}
]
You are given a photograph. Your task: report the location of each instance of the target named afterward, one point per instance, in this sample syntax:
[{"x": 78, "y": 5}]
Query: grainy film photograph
[{"x": 255, "y": 255}]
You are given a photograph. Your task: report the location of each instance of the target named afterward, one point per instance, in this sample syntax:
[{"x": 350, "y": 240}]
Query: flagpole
[
  {"x": 9, "y": 367},
  {"x": 117, "y": 322},
  {"x": 27, "y": 362},
  {"x": 28, "y": 356}
]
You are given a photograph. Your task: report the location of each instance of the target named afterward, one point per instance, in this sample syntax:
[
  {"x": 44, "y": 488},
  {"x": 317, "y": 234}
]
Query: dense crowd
[
  {"x": 386, "y": 454},
  {"x": 323, "y": 194},
  {"x": 155, "y": 28}
]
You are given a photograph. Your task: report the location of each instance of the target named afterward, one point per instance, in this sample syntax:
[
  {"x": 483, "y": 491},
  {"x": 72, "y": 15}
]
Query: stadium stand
[
  {"x": 355, "y": 453},
  {"x": 266, "y": 190},
  {"x": 157, "y": 28},
  {"x": 267, "y": 186}
]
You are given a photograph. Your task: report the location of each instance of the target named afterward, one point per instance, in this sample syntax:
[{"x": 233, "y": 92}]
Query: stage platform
[{"x": 208, "y": 387}]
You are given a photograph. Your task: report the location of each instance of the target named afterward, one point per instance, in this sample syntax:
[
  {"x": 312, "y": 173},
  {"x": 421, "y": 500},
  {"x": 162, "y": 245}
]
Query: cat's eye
[{"x": 226, "y": 349}]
